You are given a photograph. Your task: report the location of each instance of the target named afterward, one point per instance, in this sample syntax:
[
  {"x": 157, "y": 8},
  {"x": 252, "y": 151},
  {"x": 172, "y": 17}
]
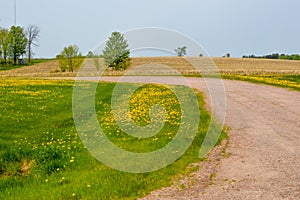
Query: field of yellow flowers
[{"x": 42, "y": 156}]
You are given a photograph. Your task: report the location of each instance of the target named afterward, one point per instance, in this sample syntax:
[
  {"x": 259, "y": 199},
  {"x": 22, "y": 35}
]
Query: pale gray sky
[{"x": 220, "y": 26}]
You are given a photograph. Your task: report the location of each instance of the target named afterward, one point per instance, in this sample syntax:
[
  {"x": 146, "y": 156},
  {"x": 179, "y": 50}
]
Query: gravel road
[
  {"x": 264, "y": 146},
  {"x": 262, "y": 160}
]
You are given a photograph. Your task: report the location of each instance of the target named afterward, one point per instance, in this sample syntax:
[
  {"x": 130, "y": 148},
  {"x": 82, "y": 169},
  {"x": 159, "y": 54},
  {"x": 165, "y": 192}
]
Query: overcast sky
[{"x": 235, "y": 26}]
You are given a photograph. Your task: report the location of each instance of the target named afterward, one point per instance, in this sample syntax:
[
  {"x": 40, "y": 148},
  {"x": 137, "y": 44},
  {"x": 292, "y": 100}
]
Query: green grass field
[{"x": 42, "y": 157}]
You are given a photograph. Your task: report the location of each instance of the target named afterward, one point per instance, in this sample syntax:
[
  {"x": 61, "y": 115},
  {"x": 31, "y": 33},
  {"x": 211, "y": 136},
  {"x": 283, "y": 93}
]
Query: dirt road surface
[{"x": 262, "y": 160}]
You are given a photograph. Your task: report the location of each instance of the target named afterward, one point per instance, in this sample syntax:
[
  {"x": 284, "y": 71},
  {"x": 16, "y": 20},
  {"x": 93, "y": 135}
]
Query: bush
[{"x": 70, "y": 58}]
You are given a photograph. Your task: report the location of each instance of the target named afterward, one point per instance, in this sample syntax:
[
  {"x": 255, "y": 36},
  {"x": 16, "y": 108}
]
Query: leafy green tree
[
  {"x": 4, "y": 43},
  {"x": 17, "y": 43},
  {"x": 116, "y": 53},
  {"x": 90, "y": 54},
  {"x": 181, "y": 51},
  {"x": 70, "y": 58},
  {"x": 296, "y": 57},
  {"x": 32, "y": 33},
  {"x": 290, "y": 57}
]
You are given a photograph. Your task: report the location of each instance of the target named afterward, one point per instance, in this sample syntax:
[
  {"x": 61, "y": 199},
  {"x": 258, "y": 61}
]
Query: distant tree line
[
  {"x": 17, "y": 42},
  {"x": 276, "y": 56},
  {"x": 290, "y": 57}
]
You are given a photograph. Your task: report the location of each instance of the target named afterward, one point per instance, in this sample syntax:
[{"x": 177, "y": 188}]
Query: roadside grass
[
  {"x": 42, "y": 157},
  {"x": 33, "y": 62},
  {"x": 284, "y": 81}
]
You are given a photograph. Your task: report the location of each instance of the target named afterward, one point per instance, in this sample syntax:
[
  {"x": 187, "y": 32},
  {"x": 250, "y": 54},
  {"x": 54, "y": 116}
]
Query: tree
[
  {"x": 70, "y": 58},
  {"x": 90, "y": 54},
  {"x": 181, "y": 51},
  {"x": 32, "y": 33},
  {"x": 290, "y": 57},
  {"x": 116, "y": 53},
  {"x": 17, "y": 42},
  {"x": 4, "y": 43}
]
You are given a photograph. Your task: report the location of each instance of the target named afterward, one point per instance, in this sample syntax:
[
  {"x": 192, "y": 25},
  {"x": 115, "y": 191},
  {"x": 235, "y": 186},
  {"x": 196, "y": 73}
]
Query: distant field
[
  {"x": 228, "y": 65},
  {"x": 248, "y": 66},
  {"x": 33, "y": 62},
  {"x": 153, "y": 65},
  {"x": 42, "y": 69}
]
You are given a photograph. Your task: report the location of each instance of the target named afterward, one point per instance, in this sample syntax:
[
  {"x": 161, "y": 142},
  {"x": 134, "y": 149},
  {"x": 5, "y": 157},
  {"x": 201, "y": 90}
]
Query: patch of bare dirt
[{"x": 26, "y": 167}]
